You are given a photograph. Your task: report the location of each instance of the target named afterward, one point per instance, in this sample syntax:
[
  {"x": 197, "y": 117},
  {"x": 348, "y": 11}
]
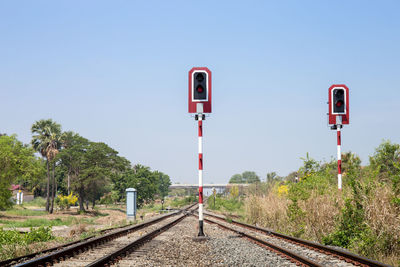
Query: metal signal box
[
  {"x": 338, "y": 103},
  {"x": 200, "y": 90}
]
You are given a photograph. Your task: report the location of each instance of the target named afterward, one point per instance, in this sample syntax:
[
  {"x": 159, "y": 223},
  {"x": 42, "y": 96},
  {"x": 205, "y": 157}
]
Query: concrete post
[{"x": 131, "y": 203}]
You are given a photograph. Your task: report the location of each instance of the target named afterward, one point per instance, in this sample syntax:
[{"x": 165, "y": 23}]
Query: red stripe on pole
[
  {"x": 339, "y": 165},
  {"x": 200, "y": 127},
  {"x": 200, "y": 161},
  {"x": 200, "y": 195},
  {"x": 339, "y": 141}
]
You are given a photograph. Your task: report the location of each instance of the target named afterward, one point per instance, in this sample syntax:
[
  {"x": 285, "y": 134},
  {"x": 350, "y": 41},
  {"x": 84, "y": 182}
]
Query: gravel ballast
[
  {"x": 319, "y": 257},
  {"x": 177, "y": 247}
]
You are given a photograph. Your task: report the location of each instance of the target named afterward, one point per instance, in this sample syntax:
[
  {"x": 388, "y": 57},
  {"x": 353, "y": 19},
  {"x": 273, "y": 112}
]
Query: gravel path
[{"x": 176, "y": 247}]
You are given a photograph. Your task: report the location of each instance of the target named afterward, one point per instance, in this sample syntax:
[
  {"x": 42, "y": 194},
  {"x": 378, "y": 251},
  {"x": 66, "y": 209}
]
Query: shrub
[
  {"x": 234, "y": 191},
  {"x": 64, "y": 202},
  {"x": 40, "y": 234},
  {"x": 364, "y": 217},
  {"x": 179, "y": 202},
  {"x": 13, "y": 243},
  {"x": 225, "y": 204}
]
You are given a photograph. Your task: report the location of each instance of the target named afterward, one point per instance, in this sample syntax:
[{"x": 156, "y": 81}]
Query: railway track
[
  {"x": 150, "y": 244},
  {"x": 301, "y": 251},
  {"x": 12, "y": 261},
  {"x": 88, "y": 252}
]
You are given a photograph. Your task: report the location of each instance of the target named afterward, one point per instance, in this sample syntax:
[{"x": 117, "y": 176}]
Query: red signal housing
[
  {"x": 207, "y": 101},
  {"x": 332, "y": 114}
]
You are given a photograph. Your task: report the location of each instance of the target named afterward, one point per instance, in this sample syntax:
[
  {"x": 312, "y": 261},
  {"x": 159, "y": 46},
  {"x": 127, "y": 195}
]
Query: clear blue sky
[{"x": 116, "y": 71}]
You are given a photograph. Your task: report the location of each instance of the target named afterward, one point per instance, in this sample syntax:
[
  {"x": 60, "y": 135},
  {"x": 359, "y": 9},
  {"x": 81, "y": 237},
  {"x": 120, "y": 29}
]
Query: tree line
[
  {"x": 70, "y": 163},
  {"x": 250, "y": 177}
]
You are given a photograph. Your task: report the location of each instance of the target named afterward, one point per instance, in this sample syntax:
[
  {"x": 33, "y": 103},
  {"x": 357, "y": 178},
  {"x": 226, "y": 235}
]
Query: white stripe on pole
[
  {"x": 200, "y": 177},
  {"x": 200, "y": 145},
  {"x": 200, "y": 122},
  {"x": 200, "y": 212},
  {"x": 339, "y": 157}
]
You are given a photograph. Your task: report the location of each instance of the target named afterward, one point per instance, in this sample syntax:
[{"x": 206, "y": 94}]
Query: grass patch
[
  {"x": 36, "y": 202},
  {"x": 225, "y": 204},
  {"x": 25, "y": 212},
  {"x": 95, "y": 213},
  {"x": 180, "y": 202},
  {"x": 37, "y": 222},
  {"x": 13, "y": 243},
  {"x": 113, "y": 208}
]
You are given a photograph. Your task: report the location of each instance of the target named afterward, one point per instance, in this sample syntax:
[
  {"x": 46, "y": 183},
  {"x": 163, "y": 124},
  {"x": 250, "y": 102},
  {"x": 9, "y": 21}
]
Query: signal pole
[
  {"x": 338, "y": 116},
  {"x": 200, "y": 103},
  {"x": 339, "y": 151},
  {"x": 200, "y": 123}
]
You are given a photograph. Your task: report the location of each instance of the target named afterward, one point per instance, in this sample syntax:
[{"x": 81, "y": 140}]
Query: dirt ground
[{"x": 113, "y": 218}]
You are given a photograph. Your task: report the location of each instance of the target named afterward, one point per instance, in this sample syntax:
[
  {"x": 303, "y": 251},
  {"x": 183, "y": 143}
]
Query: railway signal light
[
  {"x": 339, "y": 102},
  {"x": 199, "y": 90},
  {"x": 200, "y": 85},
  {"x": 200, "y": 103},
  {"x": 338, "y": 115}
]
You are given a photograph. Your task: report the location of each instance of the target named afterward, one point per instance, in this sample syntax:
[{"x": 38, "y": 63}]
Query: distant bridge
[{"x": 205, "y": 186}]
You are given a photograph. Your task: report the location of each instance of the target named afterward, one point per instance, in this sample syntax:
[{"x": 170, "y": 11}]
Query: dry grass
[
  {"x": 383, "y": 218},
  {"x": 320, "y": 214},
  {"x": 267, "y": 211},
  {"x": 78, "y": 230},
  {"x": 271, "y": 211}
]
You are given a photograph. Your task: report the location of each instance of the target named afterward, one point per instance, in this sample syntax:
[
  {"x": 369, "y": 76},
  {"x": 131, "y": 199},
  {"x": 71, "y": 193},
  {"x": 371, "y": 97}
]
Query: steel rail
[
  {"x": 313, "y": 245},
  {"x": 9, "y": 262},
  {"x": 296, "y": 257},
  {"x": 80, "y": 246},
  {"x": 116, "y": 255}
]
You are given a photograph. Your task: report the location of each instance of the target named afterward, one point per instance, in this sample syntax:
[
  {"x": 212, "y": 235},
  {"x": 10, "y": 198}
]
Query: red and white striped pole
[
  {"x": 339, "y": 150},
  {"x": 339, "y": 157},
  {"x": 200, "y": 120}
]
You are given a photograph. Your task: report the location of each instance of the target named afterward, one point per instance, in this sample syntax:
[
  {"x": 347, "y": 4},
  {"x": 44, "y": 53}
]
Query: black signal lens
[
  {"x": 339, "y": 93},
  {"x": 200, "y": 77},
  {"x": 200, "y": 85},
  {"x": 339, "y": 101}
]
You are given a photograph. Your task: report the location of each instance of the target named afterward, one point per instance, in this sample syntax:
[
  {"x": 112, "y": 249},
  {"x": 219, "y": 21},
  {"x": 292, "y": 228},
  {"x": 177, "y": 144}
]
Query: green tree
[
  {"x": 144, "y": 181},
  {"x": 310, "y": 166},
  {"x": 68, "y": 139},
  {"x": 118, "y": 182},
  {"x": 246, "y": 177},
  {"x": 91, "y": 167},
  {"x": 385, "y": 159},
  {"x": 236, "y": 179},
  {"x": 292, "y": 177},
  {"x": 73, "y": 159},
  {"x": 273, "y": 177},
  {"x": 46, "y": 139},
  {"x": 163, "y": 183},
  {"x": 250, "y": 177},
  {"x": 100, "y": 162},
  {"x": 17, "y": 163},
  {"x": 350, "y": 162}
]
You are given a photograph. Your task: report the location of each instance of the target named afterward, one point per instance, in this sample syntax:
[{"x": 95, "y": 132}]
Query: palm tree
[
  {"x": 52, "y": 151},
  {"x": 46, "y": 136},
  {"x": 67, "y": 142}
]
